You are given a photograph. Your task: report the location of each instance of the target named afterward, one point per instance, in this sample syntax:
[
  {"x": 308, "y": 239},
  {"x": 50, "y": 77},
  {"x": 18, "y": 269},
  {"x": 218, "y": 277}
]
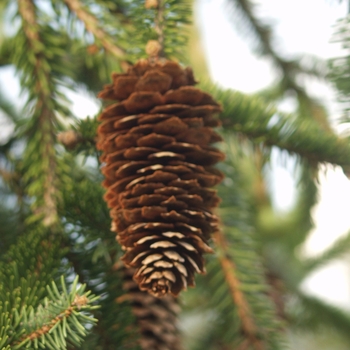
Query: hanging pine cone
[
  {"x": 156, "y": 318},
  {"x": 158, "y": 170}
]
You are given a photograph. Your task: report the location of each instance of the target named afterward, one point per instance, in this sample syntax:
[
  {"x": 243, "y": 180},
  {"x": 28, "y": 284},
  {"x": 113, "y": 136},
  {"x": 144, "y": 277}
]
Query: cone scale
[{"x": 158, "y": 167}]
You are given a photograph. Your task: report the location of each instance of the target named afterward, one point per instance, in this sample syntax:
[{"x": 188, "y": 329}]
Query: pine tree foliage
[{"x": 54, "y": 221}]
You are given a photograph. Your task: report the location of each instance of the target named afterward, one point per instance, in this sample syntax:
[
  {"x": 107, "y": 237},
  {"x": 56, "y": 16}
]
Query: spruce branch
[
  {"x": 44, "y": 118},
  {"x": 249, "y": 328},
  {"x": 60, "y": 318},
  {"x": 92, "y": 25}
]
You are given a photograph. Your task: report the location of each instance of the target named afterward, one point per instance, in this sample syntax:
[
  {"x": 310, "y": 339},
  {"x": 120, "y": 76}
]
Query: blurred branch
[
  {"x": 290, "y": 69},
  {"x": 262, "y": 31},
  {"x": 311, "y": 313},
  {"x": 263, "y": 123}
]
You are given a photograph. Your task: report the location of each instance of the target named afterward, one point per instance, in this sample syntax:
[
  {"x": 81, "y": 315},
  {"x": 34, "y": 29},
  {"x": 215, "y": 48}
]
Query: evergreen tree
[{"x": 63, "y": 284}]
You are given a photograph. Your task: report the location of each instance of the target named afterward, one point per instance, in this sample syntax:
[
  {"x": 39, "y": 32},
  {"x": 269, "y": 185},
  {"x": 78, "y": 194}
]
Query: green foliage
[{"x": 263, "y": 123}]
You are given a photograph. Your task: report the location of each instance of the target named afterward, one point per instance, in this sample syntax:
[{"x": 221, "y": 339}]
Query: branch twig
[{"x": 77, "y": 303}]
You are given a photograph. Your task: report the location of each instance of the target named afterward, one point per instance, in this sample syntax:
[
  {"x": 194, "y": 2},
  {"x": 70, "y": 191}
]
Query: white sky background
[{"x": 302, "y": 26}]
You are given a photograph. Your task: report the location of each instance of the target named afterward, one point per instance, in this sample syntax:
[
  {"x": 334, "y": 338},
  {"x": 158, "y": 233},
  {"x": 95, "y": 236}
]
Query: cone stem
[{"x": 159, "y": 26}]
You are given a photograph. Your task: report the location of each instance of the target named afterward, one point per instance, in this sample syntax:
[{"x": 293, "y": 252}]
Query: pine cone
[
  {"x": 156, "y": 318},
  {"x": 158, "y": 170}
]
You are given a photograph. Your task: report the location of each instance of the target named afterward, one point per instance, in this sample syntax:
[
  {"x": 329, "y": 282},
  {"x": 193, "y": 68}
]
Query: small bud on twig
[
  {"x": 69, "y": 139},
  {"x": 153, "y": 48},
  {"x": 151, "y": 4}
]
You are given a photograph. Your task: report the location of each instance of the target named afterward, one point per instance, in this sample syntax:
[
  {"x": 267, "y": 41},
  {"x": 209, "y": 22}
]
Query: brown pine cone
[
  {"x": 158, "y": 170},
  {"x": 156, "y": 318}
]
